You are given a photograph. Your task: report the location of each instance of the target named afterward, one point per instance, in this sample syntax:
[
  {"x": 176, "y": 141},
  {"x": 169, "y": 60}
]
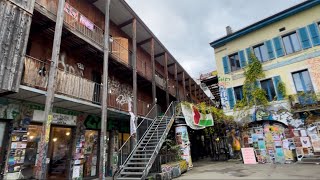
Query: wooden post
[
  {"x": 104, "y": 105},
  {"x": 42, "y": 160},
  {"x": 154, "y": 88},
  {"x": 190, "y": 91},
  {"x": 167, "y": 78},
  {"x": 134, "y": 75},
  {"x": 184, "y": 85},
  {"x": 176, "y": 80},
  {"x": 195, "y": 91}
]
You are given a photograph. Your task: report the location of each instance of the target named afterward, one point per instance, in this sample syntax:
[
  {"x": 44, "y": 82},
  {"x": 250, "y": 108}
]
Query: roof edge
[{"x": 264, "y": 22}]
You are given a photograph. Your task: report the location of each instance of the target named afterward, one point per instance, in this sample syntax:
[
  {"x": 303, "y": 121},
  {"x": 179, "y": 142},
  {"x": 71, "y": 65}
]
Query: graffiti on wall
[
  {"x": 277, "y": 113},
  {"x": 314, "y": 70},
  {"x": 223, "y": 82},
  {"x": 123, "y": 91},
  {"x": 78, "y": 70}
]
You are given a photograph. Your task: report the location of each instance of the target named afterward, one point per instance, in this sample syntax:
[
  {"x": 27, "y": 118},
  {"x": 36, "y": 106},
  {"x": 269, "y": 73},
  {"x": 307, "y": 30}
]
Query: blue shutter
[
  {"x": 276, "y": 80},
  {"x": 230, "y": 97},
  {"x": 314, "y": 32},
  {"x": 248, "y": 51},
  {"x": 226, "y": 65},
  {"x": 304, "y": 38},
  {"x": 270, "y": 49},
  {"x": 278, "y": 46},
  {"x": 243, "y": 61}
]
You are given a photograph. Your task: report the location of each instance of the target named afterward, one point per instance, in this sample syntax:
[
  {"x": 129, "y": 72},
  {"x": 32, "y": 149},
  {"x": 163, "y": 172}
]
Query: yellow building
[{"x": 286, "y": 43}]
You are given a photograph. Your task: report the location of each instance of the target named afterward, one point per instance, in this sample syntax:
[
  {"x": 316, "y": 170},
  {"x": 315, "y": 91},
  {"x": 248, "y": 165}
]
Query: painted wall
[{"x": 283, "y": 66}]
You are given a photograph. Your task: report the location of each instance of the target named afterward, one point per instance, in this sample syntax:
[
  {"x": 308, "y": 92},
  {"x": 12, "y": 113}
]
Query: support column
[
  {"x": 104, "y": 104},
  {"x": 42, "y": 160},
  {"x": 184, "y": 86},
  {"x": 195, "y": 92},
  {"x": 154, "y": 88},
  {"x": 134, "y": 75},
  {"x": 176, "y": 80},
  {"x": 167, "y": 78},
  {"x": 190, "y": 95}
]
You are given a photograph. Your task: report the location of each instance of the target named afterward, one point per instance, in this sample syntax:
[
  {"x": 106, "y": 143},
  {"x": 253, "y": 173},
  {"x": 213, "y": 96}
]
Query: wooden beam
[
  {"x": 154, "y": 88},
  {"x": 145, "y": 41},
  {"x": 176, "y": 81},
  {"x": 159, "y": 55},
  {"x": 184, "y": 85},
  {"x": 172, "y": 64},
  {"x": 126, "y": 23},
  {"x": 167, "y": 78}
]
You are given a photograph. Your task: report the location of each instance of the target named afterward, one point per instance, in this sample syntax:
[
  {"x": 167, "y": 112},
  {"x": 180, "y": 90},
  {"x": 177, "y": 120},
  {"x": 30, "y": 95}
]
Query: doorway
[{"x": 60, "y": 152}]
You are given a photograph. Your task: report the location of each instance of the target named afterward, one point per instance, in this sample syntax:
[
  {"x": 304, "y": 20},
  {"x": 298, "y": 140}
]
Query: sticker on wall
[{"x": 305, "y": 141}]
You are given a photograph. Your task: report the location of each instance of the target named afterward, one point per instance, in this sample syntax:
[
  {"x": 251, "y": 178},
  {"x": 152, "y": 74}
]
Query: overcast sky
[{"x": 186, "y": 27}]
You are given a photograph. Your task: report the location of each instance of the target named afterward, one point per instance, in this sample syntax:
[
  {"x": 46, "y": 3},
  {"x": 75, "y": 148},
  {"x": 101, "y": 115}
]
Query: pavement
[{"x": 207, "y": 169}]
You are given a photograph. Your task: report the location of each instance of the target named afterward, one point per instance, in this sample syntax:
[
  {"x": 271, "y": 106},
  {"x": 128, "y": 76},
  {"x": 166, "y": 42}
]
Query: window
[
  {"x": 261, "y": 52},
  {"x": 291, "y": 43},
  {"x": 302, "y": 81},
  {"x": 238, "y": 93},
  {"x": 234, "y": 62},
  {"x": 267, "y": 85}
]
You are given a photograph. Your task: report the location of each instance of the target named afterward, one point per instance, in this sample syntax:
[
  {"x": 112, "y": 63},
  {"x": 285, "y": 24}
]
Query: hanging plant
[{"x": 282, "y": 89}]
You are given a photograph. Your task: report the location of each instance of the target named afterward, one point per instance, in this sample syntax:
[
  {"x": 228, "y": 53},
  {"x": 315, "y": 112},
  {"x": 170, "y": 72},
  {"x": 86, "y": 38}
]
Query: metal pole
[
  {"x": 134, "y": 75},
  {"x": 104, "y": 104},
  {"x": 42, "y": 162}
]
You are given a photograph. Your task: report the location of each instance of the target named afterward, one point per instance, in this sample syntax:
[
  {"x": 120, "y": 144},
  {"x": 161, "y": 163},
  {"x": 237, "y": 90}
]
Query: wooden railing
[
  {"x": 36, "y": 75},
  {"x": 160, "y": 81}
]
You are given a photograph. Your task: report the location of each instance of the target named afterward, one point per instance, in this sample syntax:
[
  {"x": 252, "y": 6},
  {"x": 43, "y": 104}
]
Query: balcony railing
[
  {"x": 36, "y": 75},
  {"x": 160, "y": 81}
]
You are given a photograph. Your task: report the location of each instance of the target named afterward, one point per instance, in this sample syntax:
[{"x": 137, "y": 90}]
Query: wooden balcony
[
  {"x": 160, "y": 81},
  {"x": 36, "y": 72}
]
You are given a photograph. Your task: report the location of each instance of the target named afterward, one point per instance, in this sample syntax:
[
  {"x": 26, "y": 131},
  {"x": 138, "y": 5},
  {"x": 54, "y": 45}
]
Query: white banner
[{"x": 61, "y": 119}]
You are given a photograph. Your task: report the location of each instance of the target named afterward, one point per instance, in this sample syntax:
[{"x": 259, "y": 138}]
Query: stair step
[
  {"x": 135, "y": 168},
  {"x": 139, "y": 159},
  {"x": 131, "y": 173},
  {"x": 141, "y": 155},
  {"x": 137, "y": 163},
  {"x": 144, "y": 151},
  {"x": 127, "y": 178}
]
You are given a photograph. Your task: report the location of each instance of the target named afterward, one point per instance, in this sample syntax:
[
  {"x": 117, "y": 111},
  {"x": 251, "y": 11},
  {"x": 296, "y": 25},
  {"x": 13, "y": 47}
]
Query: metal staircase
[{"x": 140, "y": 161}]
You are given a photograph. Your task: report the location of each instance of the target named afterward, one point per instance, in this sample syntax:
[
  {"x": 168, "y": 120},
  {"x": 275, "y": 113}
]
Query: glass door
[
  {"x": 91, "y": 153},
  {"x": 60, "y": 153}
]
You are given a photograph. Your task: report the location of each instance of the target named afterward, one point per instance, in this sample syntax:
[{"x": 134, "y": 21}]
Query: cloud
[{"x": 186, "y": 27}]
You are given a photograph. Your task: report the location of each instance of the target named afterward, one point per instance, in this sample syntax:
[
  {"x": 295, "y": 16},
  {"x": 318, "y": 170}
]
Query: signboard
[
  {"x": 61, "y": 119},
  {"x": 248, "y": 156}
]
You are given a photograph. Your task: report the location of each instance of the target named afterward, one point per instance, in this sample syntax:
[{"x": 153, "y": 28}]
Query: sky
[{"x": 186, "y": 27}]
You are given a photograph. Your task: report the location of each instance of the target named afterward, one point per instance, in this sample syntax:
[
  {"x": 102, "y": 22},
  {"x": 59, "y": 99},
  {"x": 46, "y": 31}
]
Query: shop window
[
  {"x": 234, "y": 62},
  {"x": 238, "y": 92},
  {"x": 268, "y": 86},
  {"x": 261, "y": 52},
  {"x": 291, "y": 43}
]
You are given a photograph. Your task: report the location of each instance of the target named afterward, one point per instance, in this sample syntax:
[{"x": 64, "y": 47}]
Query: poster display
[
  {"x": 248, "y": 156},
  {"x": 182, "y": 139}
]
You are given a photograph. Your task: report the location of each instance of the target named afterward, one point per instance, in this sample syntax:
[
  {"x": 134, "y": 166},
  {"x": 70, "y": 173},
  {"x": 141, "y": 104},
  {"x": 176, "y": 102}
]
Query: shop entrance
[{"x": 60, "y": 145}]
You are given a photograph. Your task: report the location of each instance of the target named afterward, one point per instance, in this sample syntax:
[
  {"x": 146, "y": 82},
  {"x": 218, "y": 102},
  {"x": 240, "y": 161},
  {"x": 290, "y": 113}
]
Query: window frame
[
  {"x": 303, "y": 85},
  {"x": 259, "y": 46},
  {"x": 291, "y": 43},
  {"x": 235, "y": 94},
  {"x": 268, "y": 90},
  {"x": 235, "y": 61}
]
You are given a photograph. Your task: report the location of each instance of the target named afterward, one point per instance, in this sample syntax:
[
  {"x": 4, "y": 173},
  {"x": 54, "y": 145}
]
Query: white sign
[
  {"x": 61, "y": 119},
  {"x": 248, "y": 156}
]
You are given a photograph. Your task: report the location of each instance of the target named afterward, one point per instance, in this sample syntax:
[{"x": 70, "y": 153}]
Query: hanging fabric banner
[
  {"x": 71, "y": 11},
  {"x": 201, "y": 119},
  {"x": 188, "y": 116},
  {"x": 86, "y": 22}
]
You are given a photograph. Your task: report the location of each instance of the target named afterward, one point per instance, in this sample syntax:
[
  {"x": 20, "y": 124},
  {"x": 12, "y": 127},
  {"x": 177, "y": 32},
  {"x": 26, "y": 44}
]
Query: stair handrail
[
  {"x": 159, "y": 124},
  {"x": 145, "y": 117},
  {"x": 173, "y": 114},
  {"x": 136, "y": 146}
]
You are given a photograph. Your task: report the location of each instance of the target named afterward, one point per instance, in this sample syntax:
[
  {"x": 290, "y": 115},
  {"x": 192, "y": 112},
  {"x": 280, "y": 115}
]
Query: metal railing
[{"x": 141, "y": 130}]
